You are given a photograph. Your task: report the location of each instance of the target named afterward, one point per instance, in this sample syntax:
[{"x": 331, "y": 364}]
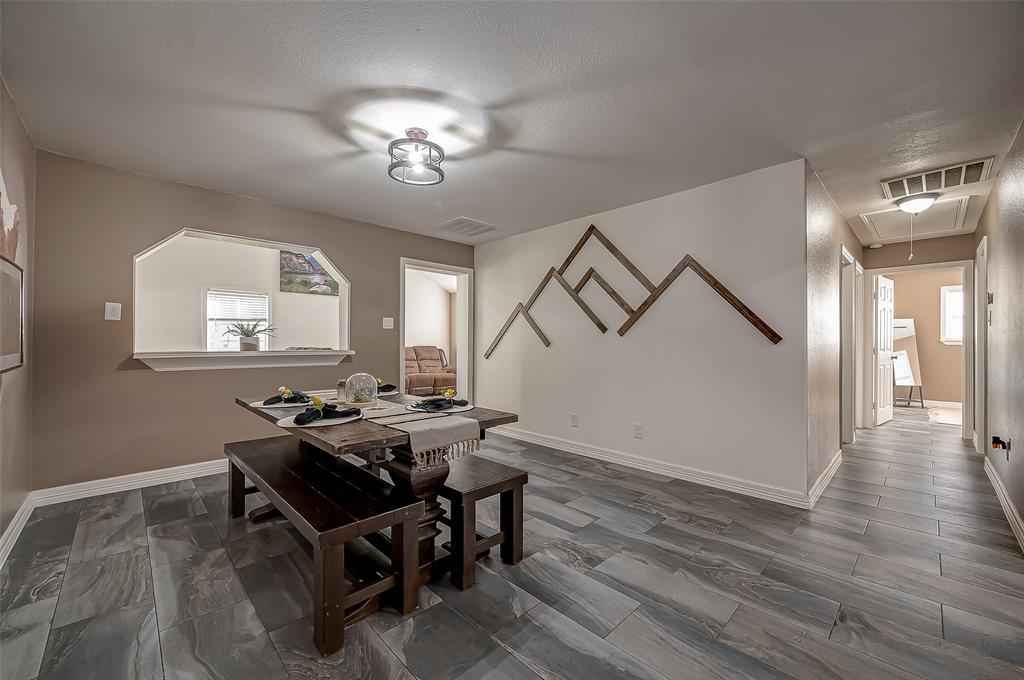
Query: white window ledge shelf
[{"x": 206, "y": 361}]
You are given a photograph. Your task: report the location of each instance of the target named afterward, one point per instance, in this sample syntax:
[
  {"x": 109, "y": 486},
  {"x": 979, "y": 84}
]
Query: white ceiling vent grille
[
  {"x": 937, "y": 180},
  {"x": 466, "y": 227}
]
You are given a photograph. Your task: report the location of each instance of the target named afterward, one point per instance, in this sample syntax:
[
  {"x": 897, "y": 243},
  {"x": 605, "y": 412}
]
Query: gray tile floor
[{"x": 906, "y": 568}]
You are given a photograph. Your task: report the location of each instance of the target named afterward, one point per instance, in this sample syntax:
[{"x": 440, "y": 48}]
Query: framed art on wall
[{"x": 12, "y": 315}]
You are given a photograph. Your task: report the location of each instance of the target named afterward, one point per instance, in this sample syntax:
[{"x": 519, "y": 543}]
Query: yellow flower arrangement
[
  {"x": 448, "y": 393},
  {"x": 284, "y": 392},
  {"x": 318, "y": 403}
]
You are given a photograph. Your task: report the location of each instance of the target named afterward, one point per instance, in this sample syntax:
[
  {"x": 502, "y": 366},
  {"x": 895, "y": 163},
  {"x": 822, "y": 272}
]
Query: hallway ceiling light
[
  {"x": 917, "y": 203},
  {"x": 414, "y": 160}
]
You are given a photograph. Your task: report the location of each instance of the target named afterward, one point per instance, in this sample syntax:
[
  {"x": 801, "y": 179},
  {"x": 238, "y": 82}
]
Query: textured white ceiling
[{"x": 562, "y": 109}]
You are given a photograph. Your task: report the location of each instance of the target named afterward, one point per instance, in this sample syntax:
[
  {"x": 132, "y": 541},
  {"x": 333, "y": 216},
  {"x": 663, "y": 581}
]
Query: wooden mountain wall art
[{"x": 632, "y": 315}]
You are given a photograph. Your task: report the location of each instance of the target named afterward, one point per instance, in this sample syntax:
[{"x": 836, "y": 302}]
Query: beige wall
[
  {"x": 926, "y": 251},
  {"x": 1003, "y": 223},
  {"x": 17, "y": 161},
  {"x": 826, "y": 228},
  {"x": 917, "y": 298},
  {"x": 99, "y": 413}
]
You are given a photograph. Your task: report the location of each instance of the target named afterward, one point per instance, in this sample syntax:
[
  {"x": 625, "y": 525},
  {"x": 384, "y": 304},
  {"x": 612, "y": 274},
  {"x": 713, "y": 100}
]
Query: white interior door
[
  {"x": 884, "y": 307},
  {"x": 981, "y": 322}
]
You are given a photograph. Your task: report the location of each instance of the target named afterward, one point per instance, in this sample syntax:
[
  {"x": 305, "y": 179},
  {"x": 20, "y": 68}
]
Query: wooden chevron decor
[{"x": 632, "y": 315}]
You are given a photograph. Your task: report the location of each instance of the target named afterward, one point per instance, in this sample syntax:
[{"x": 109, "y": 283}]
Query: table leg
[
  {"x": 463, "y": 546},
  {"x": 405, "y": 561},
  {"x": 236, "y": 491},
  {"x": 511, "y": 518},
  {"x": 328, "y": 598},
  {"x": 422, "y": 484}
]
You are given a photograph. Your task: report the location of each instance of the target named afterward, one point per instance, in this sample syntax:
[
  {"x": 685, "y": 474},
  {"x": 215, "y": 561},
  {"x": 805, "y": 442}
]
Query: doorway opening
[
  {"x": 920, "y": 347},
  {"x": 435, "y": 327}
]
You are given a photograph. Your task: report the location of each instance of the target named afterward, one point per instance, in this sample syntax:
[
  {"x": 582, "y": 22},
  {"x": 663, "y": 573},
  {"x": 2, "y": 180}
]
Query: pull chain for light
[{"x": 911, "y": 238}]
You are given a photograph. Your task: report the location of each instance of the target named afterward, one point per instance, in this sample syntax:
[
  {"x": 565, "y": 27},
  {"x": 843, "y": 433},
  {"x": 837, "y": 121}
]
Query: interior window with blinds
[{"x": 225, "y": 307}]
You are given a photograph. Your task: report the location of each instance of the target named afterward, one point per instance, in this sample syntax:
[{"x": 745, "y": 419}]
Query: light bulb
[{"x": 417, "y": 168}]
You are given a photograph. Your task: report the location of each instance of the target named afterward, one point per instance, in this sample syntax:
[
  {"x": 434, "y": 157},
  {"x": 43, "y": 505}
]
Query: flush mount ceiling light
[
  {"x": 916, "y": 203},
  {"x": 414, "y": 160}
]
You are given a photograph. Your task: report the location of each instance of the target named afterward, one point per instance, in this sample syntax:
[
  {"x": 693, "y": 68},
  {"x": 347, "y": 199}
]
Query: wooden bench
[
  {"x": 331, "y": 502},
  {"x": 473, "y": 479}
]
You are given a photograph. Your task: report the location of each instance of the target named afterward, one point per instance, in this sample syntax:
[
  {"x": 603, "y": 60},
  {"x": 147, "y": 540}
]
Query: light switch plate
[
  {"x": 389, "y": 322},
  {"x": 112, "y": 311}
]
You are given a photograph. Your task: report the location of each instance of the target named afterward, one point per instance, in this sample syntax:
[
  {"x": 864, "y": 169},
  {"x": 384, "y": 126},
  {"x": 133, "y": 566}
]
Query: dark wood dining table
[{"x": 370, "y": 441}]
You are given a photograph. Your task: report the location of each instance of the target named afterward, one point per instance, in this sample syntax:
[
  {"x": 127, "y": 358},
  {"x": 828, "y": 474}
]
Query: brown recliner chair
[{"x": 426, "y": 371}]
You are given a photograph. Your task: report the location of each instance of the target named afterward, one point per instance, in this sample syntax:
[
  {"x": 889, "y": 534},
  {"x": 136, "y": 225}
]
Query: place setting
[
  {"x": 445, "y": 403},
  {"x": 320, "y": 413}
]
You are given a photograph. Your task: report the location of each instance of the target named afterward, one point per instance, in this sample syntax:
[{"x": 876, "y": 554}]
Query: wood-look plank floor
[{"x": 905, "y": 569}]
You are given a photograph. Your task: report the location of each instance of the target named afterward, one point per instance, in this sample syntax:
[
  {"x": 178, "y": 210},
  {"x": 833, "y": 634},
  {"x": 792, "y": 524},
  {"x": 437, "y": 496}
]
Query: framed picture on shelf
[{"x": 12, "y": 315}]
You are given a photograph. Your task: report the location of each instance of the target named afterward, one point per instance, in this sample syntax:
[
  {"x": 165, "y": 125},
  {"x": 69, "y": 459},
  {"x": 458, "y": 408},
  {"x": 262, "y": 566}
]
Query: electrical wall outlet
[
  {"x": 574, "y": 419},
  {"x": 638, "y": 430},
  {"x": 112, "y": 311},
  {"x": 389, "y": 323}
]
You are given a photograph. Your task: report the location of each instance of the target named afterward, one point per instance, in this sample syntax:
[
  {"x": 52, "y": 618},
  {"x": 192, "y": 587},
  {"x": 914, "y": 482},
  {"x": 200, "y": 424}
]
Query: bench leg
[
  {"x": 511, "y": 512},
  {"x": 463, "y": 545},
  {"x": 328, "y": 598},
  {"x": 405, "y": 560},
  {"x": 236, "y": 491}
]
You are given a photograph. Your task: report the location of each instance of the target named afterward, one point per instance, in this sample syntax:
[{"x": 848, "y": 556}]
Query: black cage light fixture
[{"x": 414, "y": 160}]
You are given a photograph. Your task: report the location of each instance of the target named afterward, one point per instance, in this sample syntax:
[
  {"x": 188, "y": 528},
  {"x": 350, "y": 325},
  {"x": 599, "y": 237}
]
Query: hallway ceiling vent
[
  {"x": 937, "y": 180},
  {"x": 466, "y": 227}
]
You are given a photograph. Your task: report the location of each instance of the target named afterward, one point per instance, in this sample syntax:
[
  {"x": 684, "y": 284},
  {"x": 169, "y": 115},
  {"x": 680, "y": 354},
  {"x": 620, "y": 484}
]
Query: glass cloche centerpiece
[{"x": 361, "y": 391}]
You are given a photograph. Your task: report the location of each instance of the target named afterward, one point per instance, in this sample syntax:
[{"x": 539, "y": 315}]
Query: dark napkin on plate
[
  {"x": 438, "y": 404},
  {"x": 296, "y": 398},
  {"x": 386, "y": 387},
  {"x": 329, "y": 411}
]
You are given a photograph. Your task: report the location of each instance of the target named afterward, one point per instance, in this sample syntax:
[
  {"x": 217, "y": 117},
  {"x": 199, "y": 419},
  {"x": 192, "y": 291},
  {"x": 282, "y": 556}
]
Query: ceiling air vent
[
  {"x": 937, "y": 180},
  {"x": 466, "y": 227}
]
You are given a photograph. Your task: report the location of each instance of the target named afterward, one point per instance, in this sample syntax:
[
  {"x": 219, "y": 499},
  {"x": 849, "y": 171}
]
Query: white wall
[
  {"x": 170, "y": 293},
  {"x": 714, "y": 395},
  {"x": 427, "y": 312}
]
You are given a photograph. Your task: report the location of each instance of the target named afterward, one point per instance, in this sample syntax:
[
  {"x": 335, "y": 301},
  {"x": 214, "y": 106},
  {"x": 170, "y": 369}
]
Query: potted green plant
[{"x": 248, "y": 334}]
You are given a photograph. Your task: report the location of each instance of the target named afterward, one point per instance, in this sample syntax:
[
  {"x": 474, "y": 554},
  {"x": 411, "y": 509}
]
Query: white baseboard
[
  {"x": 1012, "y": 514},
  {"x": 96, "y": 487},
  {"x": 719, "y": 481},
  {"x": 824, "y": 478},
  {"x": 13, "y": 529},
  {"x": 944, "y": 404}
]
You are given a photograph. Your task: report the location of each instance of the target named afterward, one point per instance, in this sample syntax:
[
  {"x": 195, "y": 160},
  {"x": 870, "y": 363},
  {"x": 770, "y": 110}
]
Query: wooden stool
[{"x": 472, "y": 479}]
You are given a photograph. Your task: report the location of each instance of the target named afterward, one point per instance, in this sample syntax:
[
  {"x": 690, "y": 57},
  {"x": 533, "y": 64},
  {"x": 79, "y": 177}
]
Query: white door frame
[
  {"x": 967, "y": 365},
  {"x": 850, "y": 270},
  {"x": 981, "y": 321},
  {"x": 464, "y": 309}
]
